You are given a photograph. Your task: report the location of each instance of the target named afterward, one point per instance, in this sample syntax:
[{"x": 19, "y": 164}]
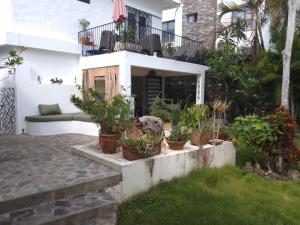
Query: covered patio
[{"x": 143, "y": 76}]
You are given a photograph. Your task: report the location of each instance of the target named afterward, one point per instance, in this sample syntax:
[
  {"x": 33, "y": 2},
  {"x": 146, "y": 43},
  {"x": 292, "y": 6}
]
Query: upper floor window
[
  {"x": 169, "y": 28},
  {"x": 192, "y": 18},
  {"x": 86, "y": 1}
]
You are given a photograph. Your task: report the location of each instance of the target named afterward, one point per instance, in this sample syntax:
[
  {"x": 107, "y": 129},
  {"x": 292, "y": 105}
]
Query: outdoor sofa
[{"x": 55, "y": 122}]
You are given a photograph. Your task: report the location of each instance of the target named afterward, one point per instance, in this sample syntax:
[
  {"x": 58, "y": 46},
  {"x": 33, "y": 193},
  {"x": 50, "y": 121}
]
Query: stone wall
[{"x": 204, "y": 30}]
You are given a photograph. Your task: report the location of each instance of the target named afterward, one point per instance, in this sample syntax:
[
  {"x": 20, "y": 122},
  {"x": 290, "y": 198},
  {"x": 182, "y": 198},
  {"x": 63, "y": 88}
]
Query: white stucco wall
[
  {"x": 47, "y": 65},
  {"x": 174, "y": 14},
  {"x": 6, "y": 80},
  {"x": 5, "y": 15},
  {"x": 58, "y": 19}
]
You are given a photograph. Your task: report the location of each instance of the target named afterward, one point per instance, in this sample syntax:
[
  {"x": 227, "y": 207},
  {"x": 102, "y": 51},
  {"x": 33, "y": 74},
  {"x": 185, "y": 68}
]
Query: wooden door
[{"x": 106, "y": 78}]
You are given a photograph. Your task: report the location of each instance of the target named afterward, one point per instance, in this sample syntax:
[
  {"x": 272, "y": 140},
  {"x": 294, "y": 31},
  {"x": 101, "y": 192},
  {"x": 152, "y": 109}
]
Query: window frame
[
  {"x": 193, "y": 15},
  {"x": 168, "y": 34}
]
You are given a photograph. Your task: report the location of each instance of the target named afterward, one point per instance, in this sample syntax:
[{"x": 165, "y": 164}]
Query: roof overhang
[{"x": 170, "y": 4}]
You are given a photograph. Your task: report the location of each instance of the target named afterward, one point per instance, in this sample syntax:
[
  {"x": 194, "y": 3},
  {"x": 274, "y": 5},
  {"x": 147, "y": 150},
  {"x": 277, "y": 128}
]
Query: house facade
[
  {"x": 49, "y": 31},
  {"x": 195, "y": 19},
  {"x": 198, "y": 19}
]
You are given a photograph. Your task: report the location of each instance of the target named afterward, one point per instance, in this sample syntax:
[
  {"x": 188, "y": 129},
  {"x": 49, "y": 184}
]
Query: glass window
[
  {"x": 169, "y": 31},
  {"x": 192, "y": 18},
  {"x": 100, "y": 85}
]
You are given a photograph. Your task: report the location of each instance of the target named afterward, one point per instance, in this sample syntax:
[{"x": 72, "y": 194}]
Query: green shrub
[
  {"x": 142, "y": 145},
  {"x": 270, "y": 137},
  {"x": 114, "y": 115},
  {"x": 251, "y": 130},
  {"x": 179, "y": 135},
  {"x": 158, "y": 109},
  {"x": 195, "y": 116}
]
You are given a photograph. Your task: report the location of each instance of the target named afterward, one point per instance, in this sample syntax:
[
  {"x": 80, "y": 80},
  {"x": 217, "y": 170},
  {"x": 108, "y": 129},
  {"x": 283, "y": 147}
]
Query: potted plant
[
  {"x": 84, "y": 35},
  {"x": 125, "y": 38},
  {"x": 177, "y": 139},
  {"x": 196, "y": 119},
  {"x": 114, "y": 116},
  {"x": 169, "y": 50},
  {"x": 141, "y": 147},
  {"x": 218, "y": 118}
]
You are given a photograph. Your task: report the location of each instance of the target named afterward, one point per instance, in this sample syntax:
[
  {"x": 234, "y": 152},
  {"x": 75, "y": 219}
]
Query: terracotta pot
[
  {"x": 130, "y": 155},
  {"x": 83, "y": 40},
  {"x": 176, "y": 145},
  {"x": 196, "y": 139},
  {"x": 109, "y": 142}
]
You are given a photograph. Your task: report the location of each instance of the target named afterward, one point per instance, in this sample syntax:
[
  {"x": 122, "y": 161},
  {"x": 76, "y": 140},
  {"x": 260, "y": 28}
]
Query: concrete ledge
[
  {"x": 140, "y": 175},
  {"x": 61, "y": 127}
]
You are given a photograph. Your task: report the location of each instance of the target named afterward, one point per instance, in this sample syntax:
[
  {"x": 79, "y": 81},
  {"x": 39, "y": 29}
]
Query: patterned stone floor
[{"x": 35, "y": 164}]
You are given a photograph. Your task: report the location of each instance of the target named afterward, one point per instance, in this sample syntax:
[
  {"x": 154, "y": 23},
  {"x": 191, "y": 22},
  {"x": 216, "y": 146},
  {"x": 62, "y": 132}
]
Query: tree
[
  {"x": 258, "y": 19},
  {"x": 260, "y": 11},
  {"x": 12, "y": 61},
  {"x": 293, "y": 5}
]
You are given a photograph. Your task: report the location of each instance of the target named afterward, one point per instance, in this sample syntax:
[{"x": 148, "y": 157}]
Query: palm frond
[
  {"x": 229, "y": 7},
  {"x": 270, "y": 77}
]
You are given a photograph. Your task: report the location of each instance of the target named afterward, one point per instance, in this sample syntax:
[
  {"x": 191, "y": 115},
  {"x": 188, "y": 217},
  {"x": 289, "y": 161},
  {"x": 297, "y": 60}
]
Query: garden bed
[{"x": 140, "y": 175}]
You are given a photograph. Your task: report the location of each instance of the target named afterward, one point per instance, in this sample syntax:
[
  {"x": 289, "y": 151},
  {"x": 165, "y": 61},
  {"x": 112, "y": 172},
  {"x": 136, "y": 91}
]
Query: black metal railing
[{"x": 140, "y": 38}]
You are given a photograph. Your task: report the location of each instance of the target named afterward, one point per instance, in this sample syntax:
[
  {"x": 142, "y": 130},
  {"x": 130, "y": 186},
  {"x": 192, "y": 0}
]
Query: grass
[{"x": 215, "y": 197}]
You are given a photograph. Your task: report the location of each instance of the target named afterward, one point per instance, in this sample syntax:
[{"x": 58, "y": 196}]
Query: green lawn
[{"x": 216, "y": 196}]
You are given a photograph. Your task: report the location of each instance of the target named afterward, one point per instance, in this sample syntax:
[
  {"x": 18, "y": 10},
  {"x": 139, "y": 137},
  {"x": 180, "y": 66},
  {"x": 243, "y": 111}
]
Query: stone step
[
  {"x": 92, "y": 208},
  {"x": 84, "y": 186}
]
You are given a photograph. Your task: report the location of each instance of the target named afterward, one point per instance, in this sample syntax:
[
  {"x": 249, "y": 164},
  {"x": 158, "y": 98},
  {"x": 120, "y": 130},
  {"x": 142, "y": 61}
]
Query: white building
[
  {"x": 173, "y": 21},
  {"x": 49, "y": 31}
]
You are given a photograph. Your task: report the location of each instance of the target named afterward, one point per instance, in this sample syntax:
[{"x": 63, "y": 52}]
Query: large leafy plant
[
  {"x": 195, "y": 116},
  {"x": 114, "y": 115},
  {"x": 251, "y": 130},
  {"x": 271, "y": 136}
]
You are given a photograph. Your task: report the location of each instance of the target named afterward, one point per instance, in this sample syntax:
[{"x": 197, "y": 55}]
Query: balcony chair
[
  {"x": 107, "y": 44},
  {"x": 150, "y": 44}
]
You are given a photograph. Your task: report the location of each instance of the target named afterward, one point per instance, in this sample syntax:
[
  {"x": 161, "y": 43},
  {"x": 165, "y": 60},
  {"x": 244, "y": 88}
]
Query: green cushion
[
  {"x": 50, "y": 118},
  {"x": 49, "y": 109},
  {"x": 60, "y": 117},
  {"x": 82, "y": 117}
]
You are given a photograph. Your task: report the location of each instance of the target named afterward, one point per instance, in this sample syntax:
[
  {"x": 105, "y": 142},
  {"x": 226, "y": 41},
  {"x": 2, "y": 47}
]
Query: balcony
[{"x": 139, "y": 38}]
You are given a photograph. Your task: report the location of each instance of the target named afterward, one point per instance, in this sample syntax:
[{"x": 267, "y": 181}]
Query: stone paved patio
[{"x": 36, "y": 164}]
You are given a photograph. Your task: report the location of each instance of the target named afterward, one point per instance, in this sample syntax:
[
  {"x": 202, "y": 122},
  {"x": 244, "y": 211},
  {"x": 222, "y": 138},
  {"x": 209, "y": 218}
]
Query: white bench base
[{"x": 62, "y": 127}]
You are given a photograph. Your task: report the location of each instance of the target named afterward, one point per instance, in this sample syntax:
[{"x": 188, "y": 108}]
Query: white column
[
  {"x": 125, "y": 77},
  {"x": 200, "y": 88}
]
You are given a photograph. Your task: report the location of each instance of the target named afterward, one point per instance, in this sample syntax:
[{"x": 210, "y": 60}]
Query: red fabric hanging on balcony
[{"x": 119, "y": 10}]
